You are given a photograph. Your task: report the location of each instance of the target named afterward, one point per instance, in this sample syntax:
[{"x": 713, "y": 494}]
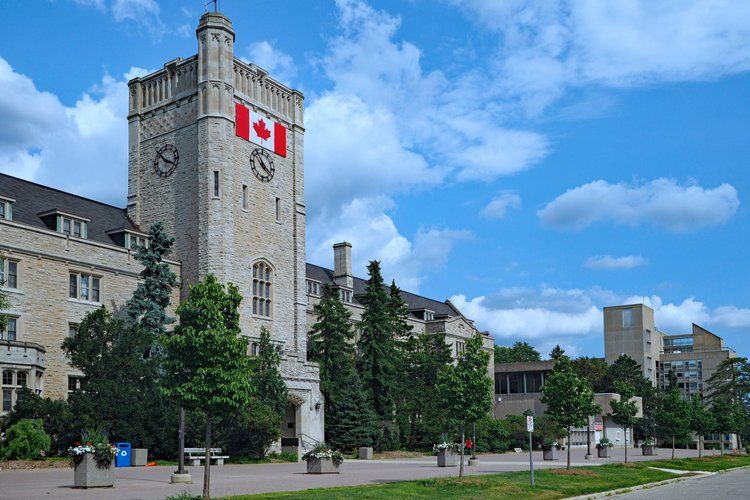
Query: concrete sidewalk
[{"x": 153, "y": 482}]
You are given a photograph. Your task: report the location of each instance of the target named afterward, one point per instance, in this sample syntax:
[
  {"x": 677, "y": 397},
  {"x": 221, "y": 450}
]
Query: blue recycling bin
[{"x": 123, "y": 455}]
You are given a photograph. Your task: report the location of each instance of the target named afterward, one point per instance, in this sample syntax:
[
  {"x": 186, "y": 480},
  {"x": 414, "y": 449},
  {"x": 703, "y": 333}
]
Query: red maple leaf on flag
[{"x": 261, "y": 130}]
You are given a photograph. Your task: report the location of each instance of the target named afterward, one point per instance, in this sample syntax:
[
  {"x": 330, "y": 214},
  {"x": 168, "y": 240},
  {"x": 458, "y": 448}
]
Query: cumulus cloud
[
  {"x": 609, "y": 262},
  {"x": 662, "y": 201},
  {"x": 547, "y": 47},
  {"x": 501, "y": 204},
  {"x": 279, "y": 64},
  {"x": 86, "y": 141},
  {"x": 551, "y": 315},
  {"x": 367, "y": 225}
]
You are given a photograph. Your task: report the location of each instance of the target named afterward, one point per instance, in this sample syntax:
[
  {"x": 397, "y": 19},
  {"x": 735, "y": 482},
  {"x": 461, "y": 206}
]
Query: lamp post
[
  {"x": 588, "y": 438},
  {"x": 181, "y": 475}
]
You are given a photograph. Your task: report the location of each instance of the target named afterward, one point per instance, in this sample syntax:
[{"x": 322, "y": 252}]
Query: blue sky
[{"x": 532, "y": 161}]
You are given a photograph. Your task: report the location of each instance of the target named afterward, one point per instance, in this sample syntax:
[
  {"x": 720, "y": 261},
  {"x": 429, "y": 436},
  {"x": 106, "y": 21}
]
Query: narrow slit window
[
  {"x": 244, "y": 197},
  {"x": 216, "y": 183},
  {"x": 278, "y": 209}
]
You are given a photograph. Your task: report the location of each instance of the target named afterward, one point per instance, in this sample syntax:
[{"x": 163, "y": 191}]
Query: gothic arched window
[{"x": 262, "y": 290}]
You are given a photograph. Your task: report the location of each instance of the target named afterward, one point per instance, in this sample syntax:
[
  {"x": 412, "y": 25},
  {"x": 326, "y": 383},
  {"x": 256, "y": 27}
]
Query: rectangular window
[
  {"x": 244, "y": 197},
  {"x": 72, "y": 329},
  {"x": 84, "y": 287},
  {"x": 515, "y": 382},
  {"x": 2, "y": 210},
  {"x": 75, "y": 383},
  {"x": 534, "y": 382},
  {"x": 503, "y": 383},
  {"x": 7, "y": 399},
  {"x": 8, "y": 273},
  {"x": 11, "y": 328},
  {"x": 216, "y": 184},
  {"x": 254, "y": 349},
  {"x": 66, "y": 226},
  {"x": 278, "y": 209},
  {"x": 77, "y": 229},
  {"x": 95, "y": 289},
  {"x": 73, "y": 287},
  {"x": 627, "y": 318},
  {"x": 21, "y": 379}
]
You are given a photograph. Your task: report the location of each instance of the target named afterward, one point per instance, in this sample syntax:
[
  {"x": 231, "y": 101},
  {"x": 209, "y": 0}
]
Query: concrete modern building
[
  {"x": 216, "y": 153},
  {"x": 693, "y": 357},
  {"x": 518, "y": 388}
]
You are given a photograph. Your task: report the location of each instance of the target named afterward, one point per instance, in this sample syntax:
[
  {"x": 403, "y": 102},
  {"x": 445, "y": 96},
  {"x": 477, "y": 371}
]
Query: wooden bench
[{"x": 195, "y": 455}]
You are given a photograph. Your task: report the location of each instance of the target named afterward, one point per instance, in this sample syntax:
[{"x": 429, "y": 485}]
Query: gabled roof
[
  {"x": 414, "y": 301},
  {"x": 33, "y": 199}
]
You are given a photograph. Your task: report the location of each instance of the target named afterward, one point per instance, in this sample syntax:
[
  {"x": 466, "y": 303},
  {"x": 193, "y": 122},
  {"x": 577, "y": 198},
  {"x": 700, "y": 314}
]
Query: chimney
[{"x": 342, "y": 264}]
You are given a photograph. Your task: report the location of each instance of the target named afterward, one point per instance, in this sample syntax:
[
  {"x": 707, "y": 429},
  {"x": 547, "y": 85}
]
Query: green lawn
[{"x": 550, "y": 483}]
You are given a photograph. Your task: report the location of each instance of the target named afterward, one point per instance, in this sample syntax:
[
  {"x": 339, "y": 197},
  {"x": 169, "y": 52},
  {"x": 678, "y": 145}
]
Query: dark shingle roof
[
  {"x": 33, "y": 199},
  {"x": 414, "y": 301}
]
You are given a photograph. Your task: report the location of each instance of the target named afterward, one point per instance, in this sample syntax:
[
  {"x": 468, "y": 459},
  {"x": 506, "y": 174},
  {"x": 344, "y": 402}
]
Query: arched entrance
[{"x": 291, "y": 426}]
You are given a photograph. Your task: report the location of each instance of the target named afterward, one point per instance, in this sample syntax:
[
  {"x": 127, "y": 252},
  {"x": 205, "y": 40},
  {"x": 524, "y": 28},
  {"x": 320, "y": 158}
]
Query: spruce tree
[
  {"x": 270, "y": 388},
  {"x": 330, "y": 344},
  {"x": 377, "y": 350},
  {"x": 398, "y": 312},
  {"x": 353, "y": 422}
]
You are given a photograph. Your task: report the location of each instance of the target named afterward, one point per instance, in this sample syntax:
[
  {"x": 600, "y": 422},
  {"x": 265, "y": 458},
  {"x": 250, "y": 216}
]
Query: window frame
[
  {"x": 8, "y": 280},
  {"x": 93, "y": 286},
  {"x": 263, "y": 289},
  {"x": 6, "y": 206}
]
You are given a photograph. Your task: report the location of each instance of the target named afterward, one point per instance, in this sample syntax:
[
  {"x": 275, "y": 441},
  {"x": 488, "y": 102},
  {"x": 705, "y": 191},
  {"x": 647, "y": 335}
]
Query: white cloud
[
  {"x": 144, "y": 13},
  {"x": 366, "y": 224},
  {"x": 553, "y": 315},
  {"x": 546, "y": 47},
  {"x": 279, "y": 64},
  {"x": 661, "y": 201},
  {"x": 500, "y": 204},
  {"x": 609, "y": 262},
  {"x": 87, "y": 141}
]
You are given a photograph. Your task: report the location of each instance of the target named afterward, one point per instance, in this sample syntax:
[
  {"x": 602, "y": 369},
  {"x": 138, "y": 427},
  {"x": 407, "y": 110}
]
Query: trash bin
[{"x": 123, "y": 455}]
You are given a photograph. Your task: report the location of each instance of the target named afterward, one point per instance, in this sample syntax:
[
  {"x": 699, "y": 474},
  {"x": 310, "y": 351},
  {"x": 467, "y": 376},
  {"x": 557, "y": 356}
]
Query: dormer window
[
  {"x": 313, "y": 287},
  {"x": 68, "y": 224},
  {"x": 128, "y": 239},
  {"x": 428, "y": 315},
  {"x": 6, "y": 208},
  {"x": 345, "y": 295}
]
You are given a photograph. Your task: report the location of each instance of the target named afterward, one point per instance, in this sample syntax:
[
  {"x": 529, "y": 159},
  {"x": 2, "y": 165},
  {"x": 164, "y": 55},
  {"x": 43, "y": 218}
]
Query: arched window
[{"x": 262, "y": 292}]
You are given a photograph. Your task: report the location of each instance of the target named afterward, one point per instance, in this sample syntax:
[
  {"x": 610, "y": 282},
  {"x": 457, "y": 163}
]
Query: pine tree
[
  {"x": 270, "y": 388},
  {"x": 377, "y": 349},
  {"x": 353, "y": 422},
  {"x": 557, "y": 353},
  {"x": 330, "y": 344},
  {"x": 398, "y": 312}
]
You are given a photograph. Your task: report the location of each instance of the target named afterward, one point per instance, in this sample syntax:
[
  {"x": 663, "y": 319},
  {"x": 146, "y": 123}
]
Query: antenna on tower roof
[{"x": 216, "y": 5}]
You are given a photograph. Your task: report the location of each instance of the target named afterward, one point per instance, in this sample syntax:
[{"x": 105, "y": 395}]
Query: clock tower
[{"x": 216, "y": 154}]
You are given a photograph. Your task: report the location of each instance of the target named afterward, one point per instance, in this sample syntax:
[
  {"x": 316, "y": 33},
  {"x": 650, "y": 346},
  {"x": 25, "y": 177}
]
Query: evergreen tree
[
  {"x": 467, "y": 389},
  {"x": 353, "y": 422},
  {"x": 270, "y": 388},
  {"x": 627, "y": 370},
  {"x": 377, "y": 347},
  {"x": 702, "y": 421},
  {"x": 569, "y": 398},
  {"x": 625, "y": 410},
  {"x": 731, "y": 379},
  {"x": 206, "y": 364},
  {"x": 592, "y": 369},
  {"x": 398, "y": 312},
  {"x": 557, "y": 353},
  {"x": 330, "y": 344},
  {"x": 519, "y": 351},
  {"x": 673, "y": 416}
]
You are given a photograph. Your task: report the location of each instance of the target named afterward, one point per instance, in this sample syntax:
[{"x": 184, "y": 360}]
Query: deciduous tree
[
  {"x": 673, "y": 415},
  {"x": 206, "y": 363},
  {"x": 519, "y": 351},
  {"x": 702, "y": 421},
  {"x": 625, "y": 410}
]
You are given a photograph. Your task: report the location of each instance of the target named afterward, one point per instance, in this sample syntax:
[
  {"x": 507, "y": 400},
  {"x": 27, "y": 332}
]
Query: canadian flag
[{"x": 260, "y": 130}]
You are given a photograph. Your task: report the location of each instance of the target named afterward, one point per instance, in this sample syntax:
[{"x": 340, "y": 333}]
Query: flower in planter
[
  {"x": 453, "y": 447},
  {"x": 323, "y": 451},
  {"x": 604, "y": 443},
  {"x": 104, "y": 452}
]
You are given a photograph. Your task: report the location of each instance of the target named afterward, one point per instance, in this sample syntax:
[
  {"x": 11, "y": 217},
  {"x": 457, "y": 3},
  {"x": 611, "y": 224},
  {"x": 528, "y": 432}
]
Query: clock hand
[{"x": 163, "y": 158}]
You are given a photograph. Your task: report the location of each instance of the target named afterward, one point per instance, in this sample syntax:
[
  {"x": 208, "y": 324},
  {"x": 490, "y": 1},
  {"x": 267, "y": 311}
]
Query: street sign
[{"x": 529, "y": 423}]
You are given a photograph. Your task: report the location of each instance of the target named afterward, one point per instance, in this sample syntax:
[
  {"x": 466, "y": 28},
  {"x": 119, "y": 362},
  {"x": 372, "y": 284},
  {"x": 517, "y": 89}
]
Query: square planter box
[
  {"x": 551, "y": 454},
  {"x": 603, "y": 452},
  {"x": 322, "y": 466},
  {"x": 446, "y": 458},
  {"x": 139, "y": 457},
  {"x": 87, "y": 475},
  {"x": 648, "y": 450},
  {"x": 365, "y": 452}
]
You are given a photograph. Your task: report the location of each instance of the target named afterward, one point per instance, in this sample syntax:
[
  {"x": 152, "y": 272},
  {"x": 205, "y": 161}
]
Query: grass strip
[{"x": 550, "y": 483}]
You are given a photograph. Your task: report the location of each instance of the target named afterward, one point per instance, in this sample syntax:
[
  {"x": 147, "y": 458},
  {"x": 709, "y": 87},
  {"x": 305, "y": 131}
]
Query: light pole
[
  {"x": 588, "y": 438},
  {"x": 180, "y": 475}
]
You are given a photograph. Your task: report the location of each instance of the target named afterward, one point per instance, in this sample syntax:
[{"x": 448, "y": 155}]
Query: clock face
[
  {"x": 166, "y": 160},
  {"x": 262, "y": 165}
]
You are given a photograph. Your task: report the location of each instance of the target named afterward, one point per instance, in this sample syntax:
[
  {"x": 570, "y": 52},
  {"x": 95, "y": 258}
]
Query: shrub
[
  {"x": 250, "y": 432},
  {"x": 492, "y": 435},
  {"x": 56, "y": 415},
  {"x": 25, "y": 440}
]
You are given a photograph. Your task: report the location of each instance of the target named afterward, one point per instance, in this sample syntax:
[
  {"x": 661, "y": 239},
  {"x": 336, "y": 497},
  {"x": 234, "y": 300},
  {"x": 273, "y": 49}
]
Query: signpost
[{"x": 530, "y": 429}]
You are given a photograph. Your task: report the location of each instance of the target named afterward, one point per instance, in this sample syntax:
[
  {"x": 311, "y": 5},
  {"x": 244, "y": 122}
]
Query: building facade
[
  {"x": 216, "y": 153},
  {"x": 692, "y": 357}
]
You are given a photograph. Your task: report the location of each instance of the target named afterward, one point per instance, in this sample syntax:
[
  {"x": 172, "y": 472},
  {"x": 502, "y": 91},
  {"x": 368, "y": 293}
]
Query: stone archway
[{"x": 291, "y": 426}]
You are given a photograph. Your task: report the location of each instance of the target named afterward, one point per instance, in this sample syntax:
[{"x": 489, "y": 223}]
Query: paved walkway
[
  {"x": 153, "y": 482},
  {"x": 732, "y": 484}
]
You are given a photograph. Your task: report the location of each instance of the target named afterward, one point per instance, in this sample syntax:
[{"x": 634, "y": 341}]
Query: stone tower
[{"x": 198, "y": 162}]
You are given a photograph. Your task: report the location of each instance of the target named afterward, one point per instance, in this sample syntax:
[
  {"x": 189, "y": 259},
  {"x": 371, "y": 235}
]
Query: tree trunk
[
  {"x": 721, "y": 443},
  {"x": 207, "y": 464},
  {"x": 568, "y": 445},
  {"x": 463, "y": 445},
  {"x": 700, "y": 446},
  {"x": 672, "y": 446},
  {"x": 626, "y": 445}
]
